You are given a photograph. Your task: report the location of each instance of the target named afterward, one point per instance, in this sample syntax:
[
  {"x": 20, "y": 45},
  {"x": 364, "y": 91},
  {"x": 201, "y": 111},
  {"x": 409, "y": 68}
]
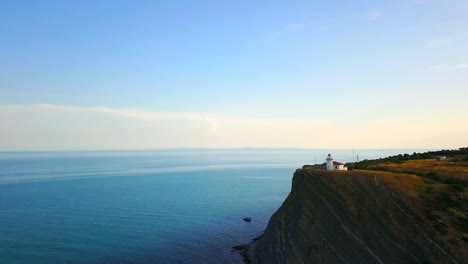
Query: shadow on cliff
[{"x": 353, "y": 217}]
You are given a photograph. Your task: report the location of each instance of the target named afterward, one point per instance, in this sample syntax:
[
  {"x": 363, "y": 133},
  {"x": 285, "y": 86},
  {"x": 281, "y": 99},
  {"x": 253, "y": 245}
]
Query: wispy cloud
[
  {"x": 141, "y": 115},
  {"x": 373, "y": 16},
  {"x": 293, "y": 28},
  {"x": 415, "y": 3},
  {"x": 288, "y": 29},
  {"x": 447, "y": 67},
  {"x": 438, "y": 42},
  {"x": 47, "y": 126}
]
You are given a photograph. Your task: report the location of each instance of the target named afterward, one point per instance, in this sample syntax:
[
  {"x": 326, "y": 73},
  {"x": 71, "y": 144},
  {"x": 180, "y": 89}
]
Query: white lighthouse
[
  {"x": 329, "y": 161},
  {"x": 334, "y": 165}
]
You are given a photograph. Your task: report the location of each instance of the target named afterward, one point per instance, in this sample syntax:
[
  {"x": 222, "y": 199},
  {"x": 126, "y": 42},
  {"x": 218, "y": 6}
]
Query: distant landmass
[{"x": 400, "y": 209}]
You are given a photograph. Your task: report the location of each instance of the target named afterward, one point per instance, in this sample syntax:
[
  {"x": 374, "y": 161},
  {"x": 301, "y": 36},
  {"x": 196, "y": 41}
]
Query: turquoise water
[{"x": 172, "y": 206}]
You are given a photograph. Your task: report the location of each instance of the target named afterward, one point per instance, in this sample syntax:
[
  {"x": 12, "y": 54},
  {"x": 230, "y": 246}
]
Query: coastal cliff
[{"x": 359, "y": 216}]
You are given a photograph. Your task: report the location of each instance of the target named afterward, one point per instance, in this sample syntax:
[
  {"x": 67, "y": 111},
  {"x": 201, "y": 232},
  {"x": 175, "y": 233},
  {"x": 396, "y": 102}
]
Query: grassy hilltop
[
  {"x": 400, "y": 209},
  {"x": 438, "y": 186},
  {"x": 451, "y": 170}
]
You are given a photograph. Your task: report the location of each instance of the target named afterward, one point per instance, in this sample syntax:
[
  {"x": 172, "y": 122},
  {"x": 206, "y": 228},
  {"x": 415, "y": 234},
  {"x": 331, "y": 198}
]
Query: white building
[{"x": 334, "y": 165}]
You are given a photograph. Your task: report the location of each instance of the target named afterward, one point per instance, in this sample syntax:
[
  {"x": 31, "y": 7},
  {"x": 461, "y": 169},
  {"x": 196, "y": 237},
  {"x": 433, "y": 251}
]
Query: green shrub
[
  {"x": 465, "y": 238},
  {"x": 458, "y": 187},
  {"x": 457, "y": 213}
]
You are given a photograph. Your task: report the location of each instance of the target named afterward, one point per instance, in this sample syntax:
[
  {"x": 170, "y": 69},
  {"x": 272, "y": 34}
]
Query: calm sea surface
[{"x": 165, "y": 206}]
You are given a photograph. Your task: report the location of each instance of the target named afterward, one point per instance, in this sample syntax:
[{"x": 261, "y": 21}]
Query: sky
[{"x": 228, "y": 74}]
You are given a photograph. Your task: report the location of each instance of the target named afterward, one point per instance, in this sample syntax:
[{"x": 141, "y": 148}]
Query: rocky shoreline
[
  {"x": 329, "y": 218},
  {"x": 245, "y": 250}
]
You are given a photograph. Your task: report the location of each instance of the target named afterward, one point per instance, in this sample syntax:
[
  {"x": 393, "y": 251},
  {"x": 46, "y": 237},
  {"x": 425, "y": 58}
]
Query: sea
[{"x": 147, "y": 206}]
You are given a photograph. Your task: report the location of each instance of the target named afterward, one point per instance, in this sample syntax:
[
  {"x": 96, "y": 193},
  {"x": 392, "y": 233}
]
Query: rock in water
[{"x": 247, "y": 219}]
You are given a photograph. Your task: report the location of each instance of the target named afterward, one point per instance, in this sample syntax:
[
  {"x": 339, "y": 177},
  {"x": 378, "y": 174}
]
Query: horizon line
[{"x": 212, "y": 149}]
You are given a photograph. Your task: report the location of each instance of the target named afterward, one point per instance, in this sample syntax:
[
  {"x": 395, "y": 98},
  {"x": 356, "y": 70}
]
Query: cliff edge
[{"x": 358, "y": 216}]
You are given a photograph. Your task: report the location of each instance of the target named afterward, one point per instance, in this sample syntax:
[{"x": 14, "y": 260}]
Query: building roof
[{"x": 337, "y": 163}]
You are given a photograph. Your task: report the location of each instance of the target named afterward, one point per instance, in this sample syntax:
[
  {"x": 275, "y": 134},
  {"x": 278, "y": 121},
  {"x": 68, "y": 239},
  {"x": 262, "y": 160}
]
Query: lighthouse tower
[{"x": 329, "y": 162}]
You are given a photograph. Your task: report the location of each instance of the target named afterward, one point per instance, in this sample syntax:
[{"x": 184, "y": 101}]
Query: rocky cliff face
[{"x": 349, "y": 217}]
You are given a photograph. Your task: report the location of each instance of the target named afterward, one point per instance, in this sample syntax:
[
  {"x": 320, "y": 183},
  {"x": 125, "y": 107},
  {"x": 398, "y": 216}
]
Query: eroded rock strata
[{"x": 350, "y": 217}]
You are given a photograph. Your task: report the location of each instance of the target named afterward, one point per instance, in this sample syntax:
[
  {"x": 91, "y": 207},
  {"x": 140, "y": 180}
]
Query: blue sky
[{"x": 343, "y": 62}]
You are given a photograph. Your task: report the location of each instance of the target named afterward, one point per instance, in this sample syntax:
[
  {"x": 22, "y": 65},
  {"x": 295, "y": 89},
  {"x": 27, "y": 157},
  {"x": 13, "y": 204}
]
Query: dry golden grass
[
  {"x": 445, "y": 171},
  {"x": 439, "y": 203},
  {"x": 409, "y": 185},
  {"x": 428, "y": 186}
]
